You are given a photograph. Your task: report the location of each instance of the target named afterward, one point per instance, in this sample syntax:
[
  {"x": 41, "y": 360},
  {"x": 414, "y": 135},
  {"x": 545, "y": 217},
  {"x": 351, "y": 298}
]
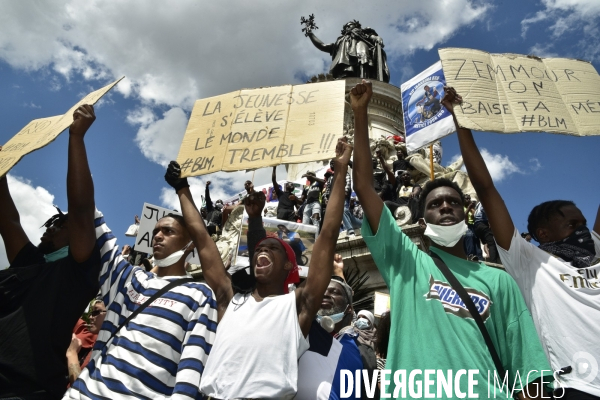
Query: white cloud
[
  {"x": 159, "y": 140},
  {"x": 501, "y": 167},
  {"x": 541, "y": 50},
  {"x": 561, "y": 16},
  {"x": 34, "y": 204},
  {"x": 174, "y": 52},
  {"x": 223, "y": 185}
]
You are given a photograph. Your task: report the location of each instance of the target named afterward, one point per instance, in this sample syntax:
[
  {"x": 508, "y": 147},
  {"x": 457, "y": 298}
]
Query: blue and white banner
[{"x": 425, "y": 118}]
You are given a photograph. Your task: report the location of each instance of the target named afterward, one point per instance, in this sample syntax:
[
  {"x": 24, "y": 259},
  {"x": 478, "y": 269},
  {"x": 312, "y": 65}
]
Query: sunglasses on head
[{"x": 95, "y": 313}]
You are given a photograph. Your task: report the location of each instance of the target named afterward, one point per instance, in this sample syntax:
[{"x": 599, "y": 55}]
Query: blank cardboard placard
[
  {"x": 255, "y": 128},
  {"x": 510, "y": 93},
  {"x": 40, "y": 132},
  {"x": 381, "y": 303}
]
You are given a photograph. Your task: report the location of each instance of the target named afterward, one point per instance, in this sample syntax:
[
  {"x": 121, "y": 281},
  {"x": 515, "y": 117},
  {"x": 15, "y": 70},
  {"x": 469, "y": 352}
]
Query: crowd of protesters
[{"x": 151, "y": 331}]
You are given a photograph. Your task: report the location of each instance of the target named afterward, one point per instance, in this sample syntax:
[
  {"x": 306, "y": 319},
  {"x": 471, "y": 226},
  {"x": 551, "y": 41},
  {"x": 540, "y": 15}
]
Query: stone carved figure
[{"x": 357, "y": 53}]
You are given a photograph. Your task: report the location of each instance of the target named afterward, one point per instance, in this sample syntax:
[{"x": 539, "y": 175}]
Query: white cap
[{"x": 367, "y": 314}]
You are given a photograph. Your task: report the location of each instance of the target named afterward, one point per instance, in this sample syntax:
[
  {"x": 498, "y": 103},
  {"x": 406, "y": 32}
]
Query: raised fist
[
  {"x": 173, "y": 177},
  {"x": 83, "y": 118}
]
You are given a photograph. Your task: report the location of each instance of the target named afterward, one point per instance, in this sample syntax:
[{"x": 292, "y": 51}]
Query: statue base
[{"x": 384, "y": 113}]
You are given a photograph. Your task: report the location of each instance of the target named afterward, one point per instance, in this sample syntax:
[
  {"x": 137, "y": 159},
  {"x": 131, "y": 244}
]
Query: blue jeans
[
  {"x": 349, "y": 221},
  {"x": 472, "y": 244},
  {"x": 308, "y": 217}
]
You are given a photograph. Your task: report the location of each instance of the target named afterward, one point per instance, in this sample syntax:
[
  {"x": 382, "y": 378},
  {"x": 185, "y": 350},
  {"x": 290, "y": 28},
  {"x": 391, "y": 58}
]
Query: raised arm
[
  {"x": 80, "y": 188},
  {"x": 274, "y": 176},
  {"x": 209, "y": 204},
  {"x": 10, "y": 223},
  {"x": 319, "y": 44},
  {"x": 321, "y": 181},
  {"x": 388, "y": 171},
  {"x": 597, "y": 223},
  {"x": 73, "y": 359},
  {"x": 309, "y": 296},
  {"x": 362, "y": 172},
  {"x": 500, "y": 220},
  {"x": 212, "y": 266},
  {"x": 254, "y": 205},
  {"x": 338, "y": 266}
]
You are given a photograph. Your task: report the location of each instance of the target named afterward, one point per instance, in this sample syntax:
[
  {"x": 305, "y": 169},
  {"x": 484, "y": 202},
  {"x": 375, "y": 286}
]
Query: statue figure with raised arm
[{"x": 357, "y": 53}]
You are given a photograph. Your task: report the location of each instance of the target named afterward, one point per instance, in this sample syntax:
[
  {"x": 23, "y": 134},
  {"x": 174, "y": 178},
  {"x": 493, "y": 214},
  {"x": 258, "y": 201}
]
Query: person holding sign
[
  {"x": 446, "y": 337},
  {"x": 558, "y": 279},
  {"x": 46, "y": 288},
  {"x": 159, "y": 326},
  {"x": 262, "y": 333}
]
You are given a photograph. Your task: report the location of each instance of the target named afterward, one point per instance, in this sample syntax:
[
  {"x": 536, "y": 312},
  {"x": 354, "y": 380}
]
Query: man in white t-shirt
[
  {"x": 262, "y": 333},
  {"x": 558, "y": 279}
]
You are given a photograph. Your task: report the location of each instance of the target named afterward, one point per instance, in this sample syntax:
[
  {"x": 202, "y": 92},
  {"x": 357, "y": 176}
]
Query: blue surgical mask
[
  {"x": 361, "y": 324},
  {"x": 335, "y": 317},
  {"x": 57, "y": 255},
  {"x": 328, "y": 322}
]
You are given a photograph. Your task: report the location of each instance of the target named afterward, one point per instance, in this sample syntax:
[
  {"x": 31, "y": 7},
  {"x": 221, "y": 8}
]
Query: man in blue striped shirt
[{"x": 161, "y": 352}]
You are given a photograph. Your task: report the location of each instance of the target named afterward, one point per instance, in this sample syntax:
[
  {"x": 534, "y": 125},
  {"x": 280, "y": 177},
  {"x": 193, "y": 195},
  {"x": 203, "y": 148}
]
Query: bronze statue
[{"x": 358, "y": 53}]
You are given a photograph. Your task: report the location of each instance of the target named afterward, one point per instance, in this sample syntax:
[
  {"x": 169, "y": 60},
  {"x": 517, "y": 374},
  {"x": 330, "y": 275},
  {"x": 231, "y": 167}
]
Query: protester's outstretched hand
[
  {"x": 338, "y": 265},
  {"x": 343, "y": 151},
  {"x": 83, "y": 118},
  {"x": 75, "y": 345},
  {"x": 361, "y": 94},
  {"x": 208, "y": 183},
  {"x": 173, "y": 177},
  {"x": 451, "y": 98},
  {"x": 254, "y": 203}
]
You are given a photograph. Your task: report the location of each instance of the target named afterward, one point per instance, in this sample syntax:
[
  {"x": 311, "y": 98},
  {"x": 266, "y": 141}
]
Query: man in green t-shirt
[{"x": 436, "y": 349}]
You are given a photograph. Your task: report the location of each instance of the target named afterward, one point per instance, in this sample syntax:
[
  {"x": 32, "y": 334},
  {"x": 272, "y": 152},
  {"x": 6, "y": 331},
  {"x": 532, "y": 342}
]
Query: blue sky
[{"x": 174, "y": 52}]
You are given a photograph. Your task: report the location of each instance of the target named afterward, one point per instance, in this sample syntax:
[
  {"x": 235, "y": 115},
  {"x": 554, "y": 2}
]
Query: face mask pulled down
[
  {"x": 57, "y": 255},
  {"x": 173, "y": 258},
  {"x": 328, "y": 322},
  {"x": 446, "y": 235}
]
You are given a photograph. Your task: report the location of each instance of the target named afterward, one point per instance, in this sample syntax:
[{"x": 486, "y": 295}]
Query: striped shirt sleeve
[
  {"x": 195, "y": 349},
  {"x": 115, "y": 270}
]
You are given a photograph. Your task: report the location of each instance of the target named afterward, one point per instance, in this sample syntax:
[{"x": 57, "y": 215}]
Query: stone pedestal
[
  {"x": 385, "y": 112},
  {"x": 354, "y": 251}
]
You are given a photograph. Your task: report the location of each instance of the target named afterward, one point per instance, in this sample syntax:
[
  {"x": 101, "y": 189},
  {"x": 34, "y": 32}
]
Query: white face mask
[
  {"x": 173, "y": 258},
  {"x": 446, "y": 235}
]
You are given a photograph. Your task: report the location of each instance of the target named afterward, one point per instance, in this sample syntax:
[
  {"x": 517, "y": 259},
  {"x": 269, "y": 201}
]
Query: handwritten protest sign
[
  {"x": 149, "y": 217},
  {"x": 40, "y": 132},
  {"x": 425, "y": 119},
  {"x": 263, "y": 127},
  {"x": 515, "y": 93}
]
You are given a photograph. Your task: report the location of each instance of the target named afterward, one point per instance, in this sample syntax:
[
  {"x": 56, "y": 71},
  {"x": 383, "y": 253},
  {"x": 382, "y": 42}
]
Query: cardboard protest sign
[
  {"x": 299, "y": 236},
  {"x": 148, "y": 219},
  {"x": 425, "y": 119},
  {"x": 257, "y": 128},
  {"x": 40, "y": 132},
  {"x": 515, "y": 93}
]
